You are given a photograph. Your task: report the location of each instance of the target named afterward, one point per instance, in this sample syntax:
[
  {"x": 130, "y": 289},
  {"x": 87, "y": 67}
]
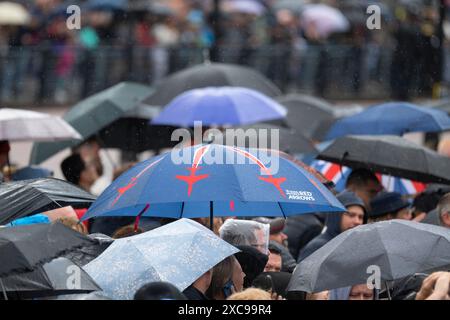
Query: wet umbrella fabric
[
  {"x": 27, "y": 197},
  {"x": 179, "y": 253},
  {"x": 97, "y": 113},
  {"x": 210, "y": 75},
  {"x": 399, "y": 248},
  {"x": 53, "y": 278},
  {"x": 391, "y": 155},
  {"x": 24, "y": 248},
  {"x": 402, "y": 118},
  {"x": 220, "y": 106},
  {"x": 193, "y": 182}
]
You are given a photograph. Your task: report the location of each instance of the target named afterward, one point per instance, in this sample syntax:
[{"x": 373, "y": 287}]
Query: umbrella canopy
[
  {"x": 24, "y": 248},
  {"x": 443, "y": 105},
  {"x": 13, "y": 14},
  {"x": 203, "y": 180},
  {"x": 97, "y": 114},
  {"x": 22, "y": 125},
  {"x": 289, "y": 141},
  {"x": 27, "y": 197},
  {"x": 398, "y": 247},
  {"x": 251, "y": 7},
  {"x": 389, "y": 155},
  {"x": 402, "y": 118},
  {"x": 309, "y": 115},
  {"x": 221, "y": 106},
  {"x": 50, "y": 279},
  {"x": 210, "y": 75},
  {"x": 179, "y": 253},
  {"x": 325, "y": 19}
]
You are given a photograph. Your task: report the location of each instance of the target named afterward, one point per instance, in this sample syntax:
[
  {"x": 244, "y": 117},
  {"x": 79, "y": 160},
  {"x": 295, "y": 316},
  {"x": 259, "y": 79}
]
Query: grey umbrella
[
  {"x": 98, "y": 112},
  {"x": 210, "y": 75},
  {"x": 397, "y": 248},
  {"x": 390, "y": 155},
  {"x": 308, "y": 115}
]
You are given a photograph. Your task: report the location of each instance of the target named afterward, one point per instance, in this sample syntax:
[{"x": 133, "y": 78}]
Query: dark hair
[
  {"x": 72, "y": 167},
  {"x": 360, "y": 176},
  {"x": 159, "y": 291},
  {"x": 426, "y": 201}
]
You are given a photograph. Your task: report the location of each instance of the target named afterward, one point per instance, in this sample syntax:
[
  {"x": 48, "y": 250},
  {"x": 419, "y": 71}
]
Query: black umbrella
[
  {"x": 57, "y": 277},
  {"x": 308, "y": 115},
  {"x": 395, "y": 249},
  {"x": 25, "y": 247},
  {"x": 390, "y": 155},
  {"x": 210, "y": 75},
  {"x": 289, "y": 141},
  {"x": 26, "y": 197}
]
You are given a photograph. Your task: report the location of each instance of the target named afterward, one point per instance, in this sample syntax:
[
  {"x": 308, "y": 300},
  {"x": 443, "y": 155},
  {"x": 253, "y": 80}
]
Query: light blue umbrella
[{"x": 179, "y": 253}]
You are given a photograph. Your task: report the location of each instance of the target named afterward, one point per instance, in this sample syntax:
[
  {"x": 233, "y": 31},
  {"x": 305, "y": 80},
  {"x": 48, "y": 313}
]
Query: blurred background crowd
[{"x": 43, "y": 61}]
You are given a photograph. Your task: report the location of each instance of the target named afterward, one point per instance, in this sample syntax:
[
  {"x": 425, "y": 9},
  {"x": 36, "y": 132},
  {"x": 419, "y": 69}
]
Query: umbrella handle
[
  {"x": 3, "y": 290},
  {"x": 211, "y": 216},
  {"x": 387, "y": 290},
  {"x": 138, "y": 217}
]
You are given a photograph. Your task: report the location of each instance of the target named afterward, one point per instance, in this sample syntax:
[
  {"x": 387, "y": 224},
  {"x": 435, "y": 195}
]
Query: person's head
[
  {"x": 238, "y": 276},
  {"x": 4, "y": 153},
  {"x": 388, "y": 206},
  {"x": 424, "y": 203},
  {"x": 251, "y": 294},
  {"x": 276, "y": 229},
  {"x": 248, "y": 233},
  {"x": 365, "y": 184},
  {"x": 76, "y": 171},
  {"x": 89, "y": 151},
  {"x": 323, "y": 295},
  {"x": 73, "y": 224},
  {"x": 361, "y": 292},
  {"x": 126, "y": 231},
  {"x": 159, "y": 291},
  {"x": 444, "y": 210},
  {"x": 275, "y": 262},
  {"x": 444, "y": 147},
  {"x": 355, "y": 210},
  {"x": 222, "y": 280}
]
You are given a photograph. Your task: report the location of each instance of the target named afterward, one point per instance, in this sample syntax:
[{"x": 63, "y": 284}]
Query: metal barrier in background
[{"x": 60, "y": 75}]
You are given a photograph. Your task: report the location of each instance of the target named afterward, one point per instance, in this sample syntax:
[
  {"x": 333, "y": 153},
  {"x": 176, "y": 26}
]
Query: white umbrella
[
  {"x": 23, "y": 125},
  {"x": 325, "y": 19},
  {"x": 13, "y": 14}
]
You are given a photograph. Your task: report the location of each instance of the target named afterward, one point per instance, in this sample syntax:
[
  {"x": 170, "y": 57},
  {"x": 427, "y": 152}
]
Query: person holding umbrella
[
  {"x": 336, "y": 223},
  {"x": 388, "y": 206}
]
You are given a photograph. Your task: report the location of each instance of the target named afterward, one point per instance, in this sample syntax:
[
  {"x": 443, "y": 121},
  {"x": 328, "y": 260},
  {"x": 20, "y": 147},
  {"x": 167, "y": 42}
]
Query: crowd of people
[
  {"x": 115, "y": 45},
  {"x": 270, "y": 248}
]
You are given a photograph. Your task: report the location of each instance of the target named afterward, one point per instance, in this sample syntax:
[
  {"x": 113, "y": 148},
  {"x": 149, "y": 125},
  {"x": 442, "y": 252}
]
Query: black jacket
[
  {"x": 301, "y": 230},
  {"x": 333, "y": 224}
]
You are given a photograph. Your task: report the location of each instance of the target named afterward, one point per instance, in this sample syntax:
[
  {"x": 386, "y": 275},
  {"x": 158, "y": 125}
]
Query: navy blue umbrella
[
  {"x": 193, "y": 182},
  {"x": 395, "y": 118}
]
